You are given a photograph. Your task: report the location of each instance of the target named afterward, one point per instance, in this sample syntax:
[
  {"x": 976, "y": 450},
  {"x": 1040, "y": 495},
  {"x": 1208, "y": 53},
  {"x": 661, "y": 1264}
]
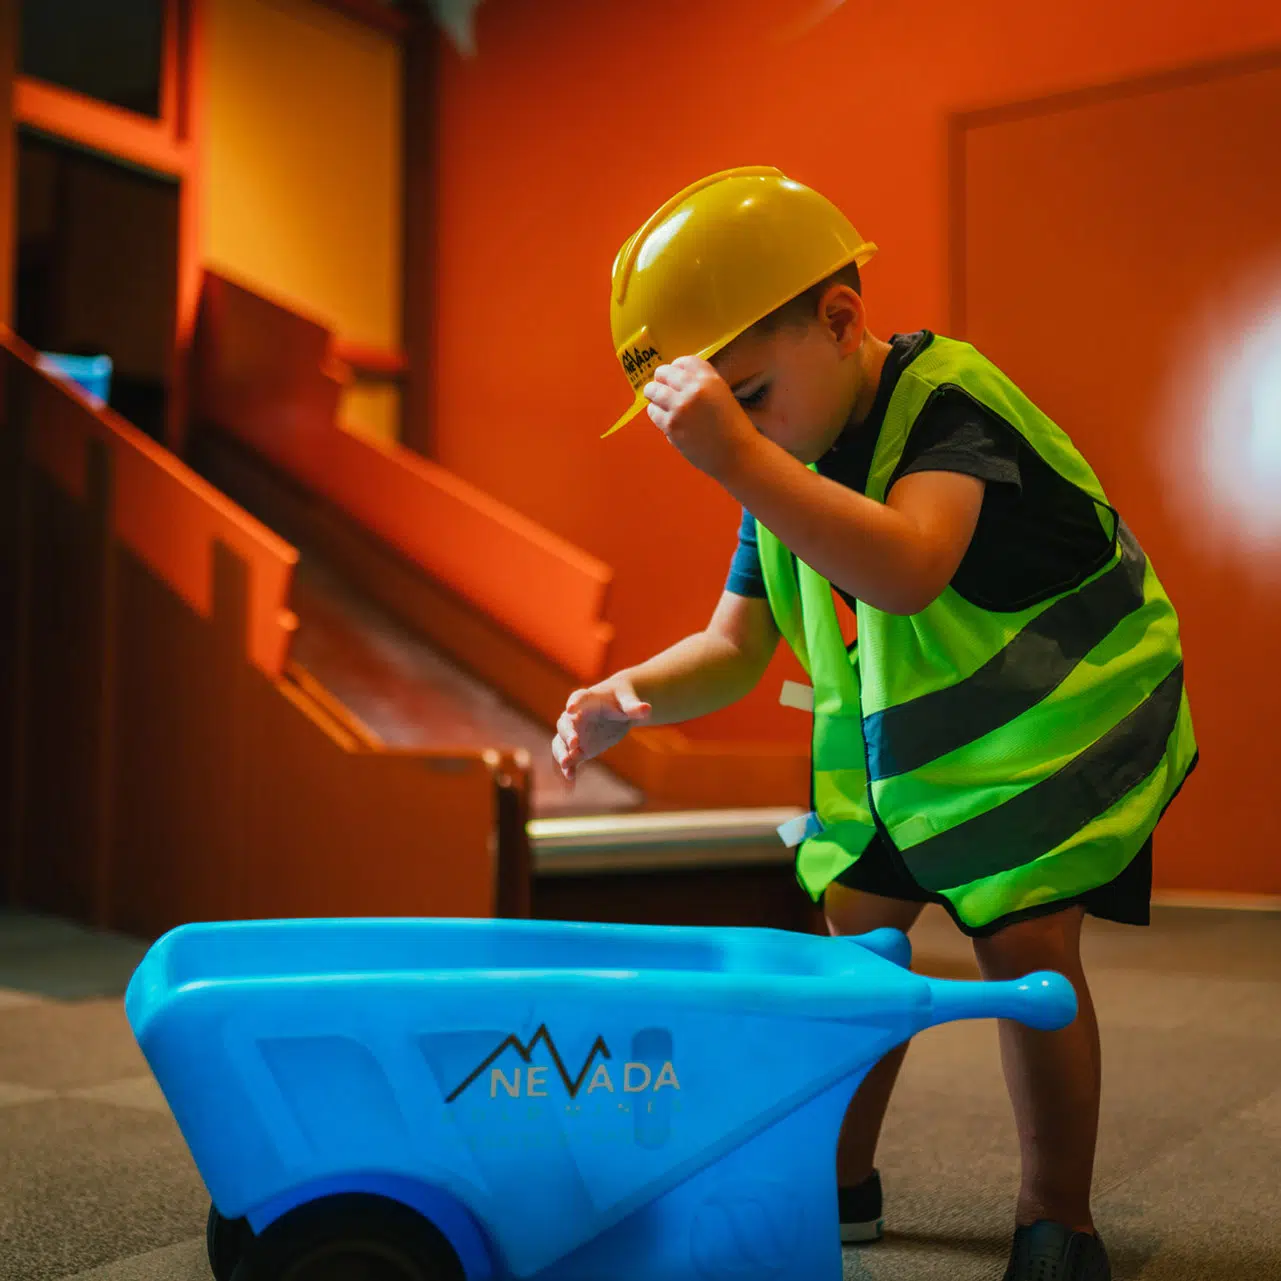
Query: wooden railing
[
  {"x": 272, "y": 379},
  {"x": 159, "y": 762}
]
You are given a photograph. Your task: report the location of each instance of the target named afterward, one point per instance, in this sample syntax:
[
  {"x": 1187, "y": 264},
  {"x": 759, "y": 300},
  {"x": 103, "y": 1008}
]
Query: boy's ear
[{"x": 841, "y": 313}]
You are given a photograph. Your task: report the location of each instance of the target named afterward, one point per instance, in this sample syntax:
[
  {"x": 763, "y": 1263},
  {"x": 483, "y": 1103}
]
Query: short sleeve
[
  {"x": 955, "y": 433},
  {"x": 745, "y": 577}
]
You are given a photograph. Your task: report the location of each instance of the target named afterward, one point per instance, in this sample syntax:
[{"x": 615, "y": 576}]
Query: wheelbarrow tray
[{"x": 560, "y": 1097}]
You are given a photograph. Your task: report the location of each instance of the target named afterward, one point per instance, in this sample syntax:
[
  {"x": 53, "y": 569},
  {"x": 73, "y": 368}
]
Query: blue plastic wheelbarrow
[{"x": 485, "y": 1100}]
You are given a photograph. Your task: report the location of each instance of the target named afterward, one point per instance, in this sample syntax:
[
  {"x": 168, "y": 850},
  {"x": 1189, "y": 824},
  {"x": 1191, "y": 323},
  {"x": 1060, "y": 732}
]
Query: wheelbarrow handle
[{"x": 1044, "y": 1000}]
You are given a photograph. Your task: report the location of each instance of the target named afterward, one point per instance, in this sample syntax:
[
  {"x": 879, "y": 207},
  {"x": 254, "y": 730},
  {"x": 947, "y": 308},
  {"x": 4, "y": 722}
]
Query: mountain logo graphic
[{"x": 530, "y": 1081}]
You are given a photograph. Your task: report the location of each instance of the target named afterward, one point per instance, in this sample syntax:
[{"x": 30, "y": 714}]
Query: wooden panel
[
  {"x": 179, "y": 731},
  {"x": 173, "y": 520},
  {"x": 162, "y": 510},
  {"x": 60, "y": 433},
  {"x": 1122, "y": 261},
  {"x": 271, "y": 807},
  {"x": 338, "y": 830},
  {"x": 263, "y": 379},
  {"x": 67, "y": 690},
  {"x": 14, "y": 615},
  {"x": 513, "y": 783},
  {"x": 8, "y": 158}
]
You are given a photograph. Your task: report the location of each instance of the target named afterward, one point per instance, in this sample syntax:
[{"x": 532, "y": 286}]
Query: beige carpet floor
[{"x": 96, "y": 1183}]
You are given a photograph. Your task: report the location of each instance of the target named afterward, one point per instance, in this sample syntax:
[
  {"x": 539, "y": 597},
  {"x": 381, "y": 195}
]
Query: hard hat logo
[
  {"x": 640, "y": 359},
  {"x": 714, "y": 259}
]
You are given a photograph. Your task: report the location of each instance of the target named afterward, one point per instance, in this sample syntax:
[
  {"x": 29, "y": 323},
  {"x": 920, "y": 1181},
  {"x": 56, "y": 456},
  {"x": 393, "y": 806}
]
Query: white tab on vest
[
  {"x": 799, "y": 829},
  {"x": 794, "y": 694}
]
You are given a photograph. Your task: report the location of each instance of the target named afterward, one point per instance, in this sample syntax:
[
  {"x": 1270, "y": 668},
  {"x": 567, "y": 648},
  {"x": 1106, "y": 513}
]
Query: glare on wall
[{"x": 1223, "y": 458}]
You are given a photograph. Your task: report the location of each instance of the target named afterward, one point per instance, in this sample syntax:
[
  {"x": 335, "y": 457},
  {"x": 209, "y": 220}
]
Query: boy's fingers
[
  {"x": 567, "y": 728},
  {"x": 631, "y": 705},
  {"x": 660, "y": 394}
]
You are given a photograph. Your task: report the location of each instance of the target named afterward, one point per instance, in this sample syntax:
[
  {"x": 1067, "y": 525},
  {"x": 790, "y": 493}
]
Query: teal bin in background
[{"x": 92, "y": 374}]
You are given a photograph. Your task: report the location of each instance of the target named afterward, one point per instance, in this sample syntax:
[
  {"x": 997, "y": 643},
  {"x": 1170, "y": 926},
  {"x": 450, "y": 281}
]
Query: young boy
[{"x": 1011, "y": 723}]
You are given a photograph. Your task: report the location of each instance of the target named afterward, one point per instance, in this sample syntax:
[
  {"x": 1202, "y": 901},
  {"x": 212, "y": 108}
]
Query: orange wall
[
  {"x": 303, "y": 176},
  {"x": 577, "y": 119},
  {"x": 1188, "y": 276}
]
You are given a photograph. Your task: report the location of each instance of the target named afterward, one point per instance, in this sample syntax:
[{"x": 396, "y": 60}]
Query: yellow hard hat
[{"x": 715, "y": 259}]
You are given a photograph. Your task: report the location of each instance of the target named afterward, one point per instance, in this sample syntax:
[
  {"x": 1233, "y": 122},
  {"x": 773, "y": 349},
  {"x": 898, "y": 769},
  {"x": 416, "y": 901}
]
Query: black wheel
[
  {"x": 350, "y": 1238},
  {"x": 226, "y": 1240}
]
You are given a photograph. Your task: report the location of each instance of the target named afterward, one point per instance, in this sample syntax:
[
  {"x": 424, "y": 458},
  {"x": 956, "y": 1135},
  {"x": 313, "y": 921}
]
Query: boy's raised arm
[{"x": 698, "y": 675}]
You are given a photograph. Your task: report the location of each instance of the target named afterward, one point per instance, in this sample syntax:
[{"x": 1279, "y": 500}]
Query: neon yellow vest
[{"x": 1013, "y": 759}]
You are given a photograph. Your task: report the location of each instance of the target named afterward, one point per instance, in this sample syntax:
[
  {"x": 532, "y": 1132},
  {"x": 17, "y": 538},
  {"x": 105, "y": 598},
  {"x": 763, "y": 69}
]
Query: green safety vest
[{"x": 1012, "y": 758}]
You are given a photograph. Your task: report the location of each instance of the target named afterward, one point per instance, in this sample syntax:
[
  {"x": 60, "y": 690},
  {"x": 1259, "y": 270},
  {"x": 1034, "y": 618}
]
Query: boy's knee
[
  {"x": 1040, "y": 943},
  {"x": 858, "y": 912}
]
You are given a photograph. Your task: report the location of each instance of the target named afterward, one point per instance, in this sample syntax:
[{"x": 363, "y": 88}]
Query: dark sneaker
[
  {"x": 861, "y": 1211},
  {"x": 1046, "y": 1251}
]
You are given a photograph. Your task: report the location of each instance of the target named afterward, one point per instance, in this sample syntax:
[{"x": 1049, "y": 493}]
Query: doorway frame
[{"x": 172, "y": 145}]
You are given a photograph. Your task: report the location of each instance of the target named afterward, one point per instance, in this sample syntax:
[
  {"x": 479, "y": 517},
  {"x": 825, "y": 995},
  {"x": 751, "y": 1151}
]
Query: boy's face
[{"x": 800, "y": 380}]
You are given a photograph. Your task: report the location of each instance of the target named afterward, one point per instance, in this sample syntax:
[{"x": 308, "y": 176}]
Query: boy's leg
[
  {"x": 1054, "y": 1078},
  {"x": 850, "y": 911}
]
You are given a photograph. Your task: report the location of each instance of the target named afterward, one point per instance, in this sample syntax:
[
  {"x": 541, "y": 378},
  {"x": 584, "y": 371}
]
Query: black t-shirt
[{"x": 1037, "y": 534}]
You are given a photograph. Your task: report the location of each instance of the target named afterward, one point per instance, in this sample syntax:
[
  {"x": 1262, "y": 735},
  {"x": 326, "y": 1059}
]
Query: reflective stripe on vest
[{"x": 1014, "y": 758}]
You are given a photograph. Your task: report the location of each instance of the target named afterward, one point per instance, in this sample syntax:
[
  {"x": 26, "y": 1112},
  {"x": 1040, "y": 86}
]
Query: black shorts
[{"x": 1126, "y": 899}]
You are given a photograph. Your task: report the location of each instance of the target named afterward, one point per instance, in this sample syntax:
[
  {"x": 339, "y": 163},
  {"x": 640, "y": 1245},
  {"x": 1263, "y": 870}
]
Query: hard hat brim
[{"x": 636, "y": 407}]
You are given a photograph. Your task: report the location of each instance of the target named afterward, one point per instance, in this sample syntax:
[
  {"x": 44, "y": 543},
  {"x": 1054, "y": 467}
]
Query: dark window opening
[
  {"x": 96, "y": 269},
  {"x": 111, "y": 50}
]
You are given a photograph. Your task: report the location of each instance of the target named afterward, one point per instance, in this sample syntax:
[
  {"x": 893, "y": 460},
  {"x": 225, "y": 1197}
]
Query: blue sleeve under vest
[{"x": 745, "y": 577}]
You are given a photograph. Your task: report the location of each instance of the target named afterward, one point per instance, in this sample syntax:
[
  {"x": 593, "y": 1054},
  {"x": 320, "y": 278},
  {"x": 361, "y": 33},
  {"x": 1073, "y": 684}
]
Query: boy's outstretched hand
[
  {"x": 692, "y": 405},
  {"x": 593, "y": 721}
]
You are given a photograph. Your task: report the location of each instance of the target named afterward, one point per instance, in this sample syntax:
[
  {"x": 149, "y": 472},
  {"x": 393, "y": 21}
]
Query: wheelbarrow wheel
[
  {"x": 225, "y": 1240},
  {"x": 353, "y": 1237}
]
